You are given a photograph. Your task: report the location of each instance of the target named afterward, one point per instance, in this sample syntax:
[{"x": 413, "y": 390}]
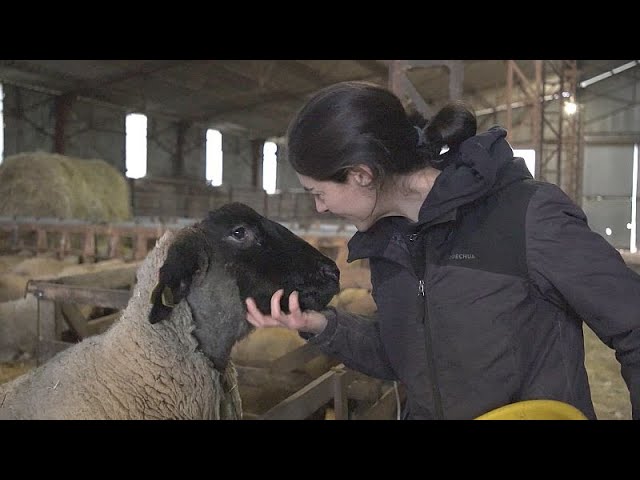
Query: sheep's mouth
[
  {"x": 309, "y": 298},
  {"x": 312, "y": 299}
]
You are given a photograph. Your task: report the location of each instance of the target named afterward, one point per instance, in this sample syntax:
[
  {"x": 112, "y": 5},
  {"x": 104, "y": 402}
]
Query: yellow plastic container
[{"x": 535, "y": 410}]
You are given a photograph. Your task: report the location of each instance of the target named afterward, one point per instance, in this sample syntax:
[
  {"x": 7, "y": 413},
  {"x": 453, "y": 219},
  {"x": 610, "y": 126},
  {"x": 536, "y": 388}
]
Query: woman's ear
[{"x": 361, "y": 175}]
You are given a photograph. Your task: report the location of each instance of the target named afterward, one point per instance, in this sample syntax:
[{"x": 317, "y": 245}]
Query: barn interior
[{"x": 99, "y": 157}]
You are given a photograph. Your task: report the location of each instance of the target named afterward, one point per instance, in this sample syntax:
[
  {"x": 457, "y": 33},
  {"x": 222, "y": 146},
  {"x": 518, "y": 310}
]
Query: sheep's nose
[{"x": 331, "y": 272}]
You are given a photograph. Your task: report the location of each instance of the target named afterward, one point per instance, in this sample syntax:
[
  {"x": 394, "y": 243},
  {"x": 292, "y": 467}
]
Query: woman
[{"x": 482, "y": 276}]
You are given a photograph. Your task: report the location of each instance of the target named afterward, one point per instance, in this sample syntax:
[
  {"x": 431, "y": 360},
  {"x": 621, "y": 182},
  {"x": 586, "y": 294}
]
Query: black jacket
[{"x": 481, "y": 302}]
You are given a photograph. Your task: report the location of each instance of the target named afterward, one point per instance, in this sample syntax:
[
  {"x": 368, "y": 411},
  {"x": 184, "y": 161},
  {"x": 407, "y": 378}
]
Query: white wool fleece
[{"x": 135, "y": 370}]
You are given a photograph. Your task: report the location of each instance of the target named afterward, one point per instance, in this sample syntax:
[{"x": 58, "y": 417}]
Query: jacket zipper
[{"x": 428, "y": 343}]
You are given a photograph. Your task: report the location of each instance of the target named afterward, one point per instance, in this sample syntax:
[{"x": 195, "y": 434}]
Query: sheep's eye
[
  {"x": 242, "y": 237},
  {"x": 239, "y": 233}
]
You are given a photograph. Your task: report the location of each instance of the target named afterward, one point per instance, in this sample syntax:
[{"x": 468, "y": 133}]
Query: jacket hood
[{"x": 481, "y": 165}]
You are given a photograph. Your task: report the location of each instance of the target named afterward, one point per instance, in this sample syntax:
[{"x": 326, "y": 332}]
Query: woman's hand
[{"x": 305, "y": 321}]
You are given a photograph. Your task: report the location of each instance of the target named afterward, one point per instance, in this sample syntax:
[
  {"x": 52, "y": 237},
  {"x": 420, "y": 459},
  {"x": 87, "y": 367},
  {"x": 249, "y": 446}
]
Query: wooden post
[
  {"x": 46, "y": 316},
  {"x": 141, "y": 246},
  {"x": 256, "y": 162},
  {"x": 340, "y": 400},
  {"x": 64, "y": 244},
  {"x": 114, "y": 244},
  {"x": 41, "y": 245},
  {"x": 75, "y": 319},
  {"x": 62, "y": 107},
  {"x": 89, "y": 248}
]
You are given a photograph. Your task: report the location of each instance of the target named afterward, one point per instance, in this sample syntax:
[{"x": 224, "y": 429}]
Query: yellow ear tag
[{"x": 166, "y": 296}]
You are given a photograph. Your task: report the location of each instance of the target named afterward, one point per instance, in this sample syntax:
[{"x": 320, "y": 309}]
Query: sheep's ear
[
  {"x": 165, "y": 296},
  {"x": 174, "y": 279},
  {"x": 161, "y": 309}
]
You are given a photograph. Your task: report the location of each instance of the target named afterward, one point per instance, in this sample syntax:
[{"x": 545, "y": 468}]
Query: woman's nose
[{"x": 320, "y": 206}]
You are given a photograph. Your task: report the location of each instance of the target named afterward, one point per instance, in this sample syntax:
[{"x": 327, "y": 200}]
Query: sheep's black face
[
  {"x": 260, "y": 254},
  {"x": 265, "y": 256}
]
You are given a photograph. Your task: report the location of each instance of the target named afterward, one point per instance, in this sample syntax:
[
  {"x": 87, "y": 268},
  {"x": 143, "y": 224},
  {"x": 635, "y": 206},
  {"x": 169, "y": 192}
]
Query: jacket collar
[
  {"x": 375, "y": 241},
  {"x": 482, "y": 164}
]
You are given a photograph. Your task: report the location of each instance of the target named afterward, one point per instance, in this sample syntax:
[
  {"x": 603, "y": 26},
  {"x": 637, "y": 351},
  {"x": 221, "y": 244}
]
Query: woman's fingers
[
  {"x": 277, "y": 317},
  {"x": 295, "y": 319},
  {"x": 294, "y": 304},
  {"x": 275, "y": 304},
  {"x": 254, "y": 316},
  {"x": 258, "y": 319}
]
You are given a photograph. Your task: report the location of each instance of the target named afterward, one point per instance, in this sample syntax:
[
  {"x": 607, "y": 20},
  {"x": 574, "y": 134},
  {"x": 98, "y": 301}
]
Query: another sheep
[{"x": 170, "y": 359}]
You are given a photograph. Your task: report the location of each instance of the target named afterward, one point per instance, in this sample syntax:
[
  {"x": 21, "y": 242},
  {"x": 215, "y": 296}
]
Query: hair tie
[{"x": 422, "y": 139}]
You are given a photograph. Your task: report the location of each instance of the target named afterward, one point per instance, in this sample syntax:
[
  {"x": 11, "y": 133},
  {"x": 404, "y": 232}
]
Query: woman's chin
[{"x": 362, "y": 226}]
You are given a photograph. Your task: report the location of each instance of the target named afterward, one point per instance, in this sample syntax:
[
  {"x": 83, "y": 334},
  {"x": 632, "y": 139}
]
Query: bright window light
[
  {"x": 269, "y": 167},
  {"x": 214, "y": 157},
  {"x": 634, "y": 199},
  {"x": 136, "y": 145},
  {"x": 570, "y": 108},
  {"x": 608, "y": 74},
  {"x": 529, "y": 156},
  {"x": 1, "y": 124}
]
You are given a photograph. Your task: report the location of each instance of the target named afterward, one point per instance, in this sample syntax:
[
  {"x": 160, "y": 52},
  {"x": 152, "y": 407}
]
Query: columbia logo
[{"x": 462, "y": 256}]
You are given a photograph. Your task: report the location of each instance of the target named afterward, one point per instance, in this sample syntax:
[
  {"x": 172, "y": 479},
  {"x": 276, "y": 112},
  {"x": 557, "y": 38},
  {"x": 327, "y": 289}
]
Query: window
[
  {"x": 269, "y": 167},
  {"x": 136, "y": 145},
  {"x": 529, "y": 156},
  {"x": 1, "y": 124},
  {"x": 634, "y": 201},
  {"x": 214, "y": 157}
]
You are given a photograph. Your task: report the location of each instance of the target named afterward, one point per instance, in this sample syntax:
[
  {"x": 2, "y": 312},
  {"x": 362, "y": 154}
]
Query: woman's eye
[{"x": 239, "y": 233}]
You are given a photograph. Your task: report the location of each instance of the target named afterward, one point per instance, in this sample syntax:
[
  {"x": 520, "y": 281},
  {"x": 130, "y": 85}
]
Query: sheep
[{"x": 168, "y": 357}]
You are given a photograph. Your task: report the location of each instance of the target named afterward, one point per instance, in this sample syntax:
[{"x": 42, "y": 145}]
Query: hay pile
[
  {"x": 355, "y": 300},
  {"x": 39, "y": 184},
  {"x": 11, "y": 370}
]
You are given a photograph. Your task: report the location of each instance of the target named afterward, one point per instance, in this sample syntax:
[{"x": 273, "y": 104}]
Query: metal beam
[
  {"x": 302, "y": 71},
  {"x": 238, "y": 74},
  {"x": 456, "y": 79},
  {"x": 28, "y": 67},
  {"x": 400, "y": 84},
  {"x": 424, "y": 63},
  {"x": 376, "y": 67},
  {"x": 215, "y": 112},
  {"x": 86, "y": 87},
  {"x": 62, "y": 111},
  {"x": 611, "y": 113}
]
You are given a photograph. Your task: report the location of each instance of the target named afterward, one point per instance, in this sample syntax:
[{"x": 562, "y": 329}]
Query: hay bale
[
  {"x": 11, "y": 370},
  {"x": 83, "y": 268},
  {"x": 355, "y": 300},
  {"x": 39, "y": 267},
  {"x": 14, "y": 282},
  {"x": 355, "y": 277},
  {"x": 12, "y": 286},
  {"x": 260, "y": 349},
  {"x": 43, "y": 184},
  {"x": 109, "y": 187},
  {"x": 265, "y": 345},
  {"x": 7, "y": 262}
]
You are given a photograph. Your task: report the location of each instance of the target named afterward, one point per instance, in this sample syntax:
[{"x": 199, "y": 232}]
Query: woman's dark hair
[{"x": 352, "y": 123}]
